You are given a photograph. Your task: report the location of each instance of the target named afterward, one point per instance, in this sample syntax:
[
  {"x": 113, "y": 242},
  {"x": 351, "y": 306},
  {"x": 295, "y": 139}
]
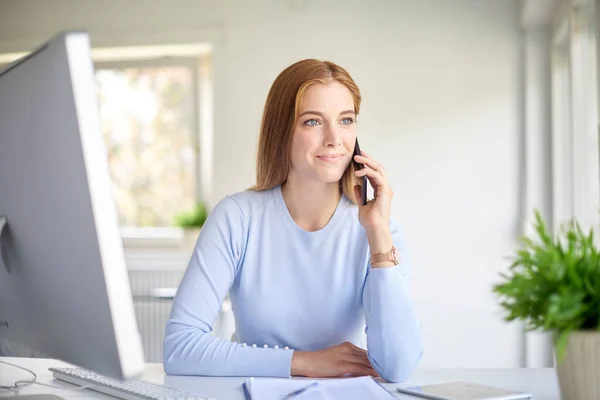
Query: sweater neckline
[{"x": 335, "y": 220}]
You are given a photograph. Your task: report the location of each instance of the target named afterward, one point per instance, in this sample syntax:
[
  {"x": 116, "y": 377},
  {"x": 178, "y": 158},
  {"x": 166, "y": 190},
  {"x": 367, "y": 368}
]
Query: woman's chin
[
  {"x": 323, "y": 175},
  {"x": 330, "y": 177}
]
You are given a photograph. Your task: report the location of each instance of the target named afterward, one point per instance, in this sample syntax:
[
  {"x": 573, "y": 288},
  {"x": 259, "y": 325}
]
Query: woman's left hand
[{"x": 375, "y": 215}]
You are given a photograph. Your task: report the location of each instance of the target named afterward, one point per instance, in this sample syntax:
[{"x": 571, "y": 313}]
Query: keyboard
[{"x": 128, "y": 390}]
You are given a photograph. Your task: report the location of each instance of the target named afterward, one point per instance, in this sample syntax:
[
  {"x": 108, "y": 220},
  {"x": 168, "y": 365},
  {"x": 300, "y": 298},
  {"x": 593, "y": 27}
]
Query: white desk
[{"x": 541, "y": 382}]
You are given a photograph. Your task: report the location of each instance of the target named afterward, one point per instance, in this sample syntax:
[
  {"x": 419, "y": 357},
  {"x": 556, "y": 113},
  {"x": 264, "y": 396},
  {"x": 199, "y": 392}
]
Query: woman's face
[{"x": 324, "y": 133}]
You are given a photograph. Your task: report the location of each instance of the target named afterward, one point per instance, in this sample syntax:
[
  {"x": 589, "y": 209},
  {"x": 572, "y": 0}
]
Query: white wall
[{"x": 441, "y": 82}]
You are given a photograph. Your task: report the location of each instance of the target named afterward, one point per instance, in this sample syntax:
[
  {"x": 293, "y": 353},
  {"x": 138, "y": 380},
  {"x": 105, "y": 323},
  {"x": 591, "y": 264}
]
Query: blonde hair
[{"x": 279, "y": 116}]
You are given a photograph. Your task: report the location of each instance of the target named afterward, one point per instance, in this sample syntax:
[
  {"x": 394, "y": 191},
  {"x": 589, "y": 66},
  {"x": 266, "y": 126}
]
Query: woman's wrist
[
  {"x": 299, "y": 363},
  {"x": 380, "y": 240}
]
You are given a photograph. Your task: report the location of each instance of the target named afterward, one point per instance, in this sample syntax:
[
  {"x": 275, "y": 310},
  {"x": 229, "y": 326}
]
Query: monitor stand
[{"x": 5, "y": 256}]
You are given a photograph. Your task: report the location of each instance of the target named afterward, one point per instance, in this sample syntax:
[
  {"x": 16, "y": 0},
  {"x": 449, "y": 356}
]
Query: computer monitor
[{"x": 64, "y": 286}]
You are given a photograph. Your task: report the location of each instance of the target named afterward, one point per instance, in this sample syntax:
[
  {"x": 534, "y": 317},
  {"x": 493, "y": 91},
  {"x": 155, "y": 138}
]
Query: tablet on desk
[{"x": 462, "y": 391}]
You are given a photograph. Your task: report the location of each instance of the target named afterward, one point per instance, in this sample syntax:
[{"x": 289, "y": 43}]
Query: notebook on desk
[{"x": 359, "y": 388}]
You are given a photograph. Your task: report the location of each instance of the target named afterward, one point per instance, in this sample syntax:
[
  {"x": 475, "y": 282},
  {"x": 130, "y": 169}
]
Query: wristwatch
[{"x": 392, "y": 255}]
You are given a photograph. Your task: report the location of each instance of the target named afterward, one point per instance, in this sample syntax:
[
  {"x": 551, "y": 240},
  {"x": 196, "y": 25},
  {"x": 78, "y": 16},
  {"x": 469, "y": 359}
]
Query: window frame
[
  {"x": 562, "y": 133},
  {"x": 575, "y": 114}
]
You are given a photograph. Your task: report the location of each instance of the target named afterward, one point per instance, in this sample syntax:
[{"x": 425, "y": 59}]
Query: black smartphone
[{"x": 358, "y": 166}]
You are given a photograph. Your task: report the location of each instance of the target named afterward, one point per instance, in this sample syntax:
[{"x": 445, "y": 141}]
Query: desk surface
[{"x": 541, "y": 382}]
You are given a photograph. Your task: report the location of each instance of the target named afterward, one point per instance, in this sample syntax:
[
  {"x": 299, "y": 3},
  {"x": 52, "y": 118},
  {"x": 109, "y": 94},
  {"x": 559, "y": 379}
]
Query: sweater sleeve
[
  {"x": 189, "y": 348},
  {"x": 394, "y": 339}
]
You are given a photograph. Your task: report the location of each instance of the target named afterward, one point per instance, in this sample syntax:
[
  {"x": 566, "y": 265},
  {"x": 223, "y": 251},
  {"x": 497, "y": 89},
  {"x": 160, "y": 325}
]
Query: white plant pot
[{"x": 579, "y": 371}]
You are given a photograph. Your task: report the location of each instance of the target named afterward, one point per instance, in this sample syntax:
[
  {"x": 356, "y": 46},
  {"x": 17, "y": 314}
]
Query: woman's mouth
[{"x": 331, "y": 157}]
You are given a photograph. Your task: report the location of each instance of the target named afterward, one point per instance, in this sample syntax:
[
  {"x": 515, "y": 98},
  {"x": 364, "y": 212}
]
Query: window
[{"x": 148, "y": 116}]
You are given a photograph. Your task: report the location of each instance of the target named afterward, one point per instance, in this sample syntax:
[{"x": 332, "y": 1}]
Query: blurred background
[{"x": 480, "y": 110}]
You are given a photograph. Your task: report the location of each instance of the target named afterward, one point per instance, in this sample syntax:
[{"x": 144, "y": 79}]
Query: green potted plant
[
  {"x": 191, "y": 222},
  {"x": 553, "y": 285}
]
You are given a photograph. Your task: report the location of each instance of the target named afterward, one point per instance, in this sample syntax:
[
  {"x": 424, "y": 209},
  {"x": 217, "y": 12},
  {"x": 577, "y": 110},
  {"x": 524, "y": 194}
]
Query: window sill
[
  {"x": 152, "y": 238},
  {"x": 158, "y": 249}
]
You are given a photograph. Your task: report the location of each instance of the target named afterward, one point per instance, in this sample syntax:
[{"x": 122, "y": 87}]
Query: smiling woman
[
  {"x": 313, "y": 127},
  {"x": 315, "y": 85},
  {"x": 307, "y": 269}
]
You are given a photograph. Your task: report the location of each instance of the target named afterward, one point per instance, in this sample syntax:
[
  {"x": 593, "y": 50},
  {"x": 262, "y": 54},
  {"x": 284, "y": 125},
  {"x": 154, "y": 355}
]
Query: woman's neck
[{"x": 311, "y": 204}]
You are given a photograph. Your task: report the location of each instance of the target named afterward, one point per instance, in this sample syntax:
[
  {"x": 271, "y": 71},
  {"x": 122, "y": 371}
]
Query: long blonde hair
[{"x": 279, "y": 116}]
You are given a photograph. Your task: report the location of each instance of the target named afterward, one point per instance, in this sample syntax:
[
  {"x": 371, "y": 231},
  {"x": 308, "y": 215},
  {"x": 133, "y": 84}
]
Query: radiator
[
  {"x": 152, "y": 309},
  {"x": 152, "y": 312}
]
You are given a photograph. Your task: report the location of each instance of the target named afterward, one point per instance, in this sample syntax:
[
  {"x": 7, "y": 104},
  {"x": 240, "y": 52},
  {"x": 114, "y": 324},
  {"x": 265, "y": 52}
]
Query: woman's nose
[{"x": 332, "y": 135}]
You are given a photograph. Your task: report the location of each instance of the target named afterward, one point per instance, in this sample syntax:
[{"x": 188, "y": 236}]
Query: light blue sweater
[{"x": 290, "y": 290}]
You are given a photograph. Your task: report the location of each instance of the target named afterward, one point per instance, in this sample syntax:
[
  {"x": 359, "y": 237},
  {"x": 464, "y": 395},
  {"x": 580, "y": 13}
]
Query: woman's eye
[
  {"x": 311, "y": 122},
  {"x": 347, "y": 121}
]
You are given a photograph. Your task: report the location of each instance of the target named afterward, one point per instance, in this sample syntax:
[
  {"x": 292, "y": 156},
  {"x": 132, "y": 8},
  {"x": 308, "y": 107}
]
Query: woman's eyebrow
[{"x": 321, "y": 114}]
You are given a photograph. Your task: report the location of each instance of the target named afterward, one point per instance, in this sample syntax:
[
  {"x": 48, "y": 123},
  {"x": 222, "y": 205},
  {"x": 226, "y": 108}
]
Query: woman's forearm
[{"x": 393, "y": 332}]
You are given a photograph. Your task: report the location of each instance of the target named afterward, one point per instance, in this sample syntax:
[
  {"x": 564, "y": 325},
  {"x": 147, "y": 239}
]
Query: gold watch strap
[{"x": 383, "y": 257}]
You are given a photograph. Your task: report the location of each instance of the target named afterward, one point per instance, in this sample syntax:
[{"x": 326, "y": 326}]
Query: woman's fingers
[
  {"x": 376, "y": 179},
  {"x": 359, "y": 359},
  {"x": 356, "y": 349},
  {"x": 366, "y": 159},
  {"x": 368, "y": 162},
  {"x": 360, "y": 370},
  {"x": 374, "y": 172},
  {"x": 340, "y": 360},
  {"x": 358, "y": 356},
  {"x": 351, "y": 348}
]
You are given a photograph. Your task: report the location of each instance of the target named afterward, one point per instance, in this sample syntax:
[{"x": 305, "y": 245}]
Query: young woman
[{"x": 307, "y": 266}]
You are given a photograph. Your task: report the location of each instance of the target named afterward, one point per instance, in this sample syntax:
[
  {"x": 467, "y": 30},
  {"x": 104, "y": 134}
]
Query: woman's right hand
[{"x": 336, "y": 361}]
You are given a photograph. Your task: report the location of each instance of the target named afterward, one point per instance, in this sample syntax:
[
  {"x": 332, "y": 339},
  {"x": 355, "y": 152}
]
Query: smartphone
[{"x": 358, "y": 166}]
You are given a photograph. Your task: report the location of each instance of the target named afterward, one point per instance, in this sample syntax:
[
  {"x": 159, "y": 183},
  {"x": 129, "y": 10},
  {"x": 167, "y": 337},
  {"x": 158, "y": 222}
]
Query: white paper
[{"x": 359, "y": 388}]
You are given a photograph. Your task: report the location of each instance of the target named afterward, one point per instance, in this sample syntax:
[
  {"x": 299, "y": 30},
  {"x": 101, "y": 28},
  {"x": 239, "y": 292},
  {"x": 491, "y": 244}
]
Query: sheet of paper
[{"x": 328, "y": 389}]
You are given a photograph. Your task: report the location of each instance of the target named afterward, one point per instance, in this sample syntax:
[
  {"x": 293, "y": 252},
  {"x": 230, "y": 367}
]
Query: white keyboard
[{"x": 129, "y": 390}]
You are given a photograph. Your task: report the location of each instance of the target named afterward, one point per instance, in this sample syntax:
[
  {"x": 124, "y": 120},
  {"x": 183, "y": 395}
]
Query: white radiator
[
  {"x": 152, "y": 308},
  {"x": 151, "y": 311}
]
